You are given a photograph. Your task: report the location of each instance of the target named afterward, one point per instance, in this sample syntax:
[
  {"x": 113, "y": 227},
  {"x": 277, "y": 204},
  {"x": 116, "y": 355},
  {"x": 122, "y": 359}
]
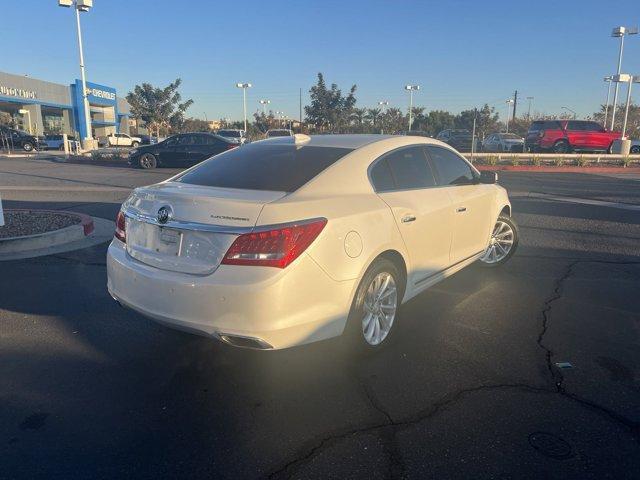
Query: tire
[
  {"x": 27, "y": 146},
  {"x": 634, "y": 149},
  {"x": 362, "y": 336},
  {"x": 134, "y": 144},
  {"x": 561, "y": 146},
  {"x": 504, "y": 231},
  {"x": 147, "y": 161}
]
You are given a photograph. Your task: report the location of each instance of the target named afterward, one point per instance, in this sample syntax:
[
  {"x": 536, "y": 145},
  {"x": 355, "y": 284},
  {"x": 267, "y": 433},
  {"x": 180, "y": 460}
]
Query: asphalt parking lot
[{"x": 470, "y": 388}]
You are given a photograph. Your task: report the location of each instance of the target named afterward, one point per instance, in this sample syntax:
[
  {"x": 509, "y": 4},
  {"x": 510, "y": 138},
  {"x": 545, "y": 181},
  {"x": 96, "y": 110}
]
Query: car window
[
  {"x": 551, "y": 125},
  {"x": 279, "y": 168},
  {"x": 409, "y": 168},
  {"x": 576, "y": 126},
  {"x": 170, "y": 142},
  {"x": 593, "y": 127},
  {"x": 450, "y": 168},
  {"x": 381, "y": 177},
  {"x": 187, "y": 140},
  {"x": 211, "y": 140}
]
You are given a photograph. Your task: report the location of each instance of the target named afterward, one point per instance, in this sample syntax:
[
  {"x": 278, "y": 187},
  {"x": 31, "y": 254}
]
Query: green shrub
[
  {"x": 515, "y": 161},
  {"x": 582, "y": 162},
  {"x": 537, "y": 161},
  {"x": 492, "y": 160},
  {"x": 626, "y": 161},
  {"x": 559, "y": 161}
]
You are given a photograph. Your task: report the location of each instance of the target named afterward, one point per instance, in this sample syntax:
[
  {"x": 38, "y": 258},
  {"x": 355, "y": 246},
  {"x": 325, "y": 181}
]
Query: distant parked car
[
  {"x": 415, "y": 133},
  {"x": 503, "y": 142},
  {"x": 55, "y": 142},
  {"x": 17, "y": 139},
  {"x": 457, "y": 138},
  {"x": 119, "y": 140},
  {"x": 635, "y": 147},
  {"x": 564, "y": 136},
  {"x": 233, "y": 135},
  {"x": 181, "y": 150},
  {"x": 279, "y": 132}
]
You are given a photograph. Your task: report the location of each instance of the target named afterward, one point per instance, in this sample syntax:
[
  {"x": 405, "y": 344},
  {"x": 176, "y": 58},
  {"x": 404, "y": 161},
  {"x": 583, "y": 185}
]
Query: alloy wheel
[
  {"x": 380, "y": 306},
  {"x": 500, "y": 244}
]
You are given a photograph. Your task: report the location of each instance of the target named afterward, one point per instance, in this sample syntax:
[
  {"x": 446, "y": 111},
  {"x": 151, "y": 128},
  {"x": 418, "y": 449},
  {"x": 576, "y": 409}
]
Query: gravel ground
[{"x": 32, "y": 222}]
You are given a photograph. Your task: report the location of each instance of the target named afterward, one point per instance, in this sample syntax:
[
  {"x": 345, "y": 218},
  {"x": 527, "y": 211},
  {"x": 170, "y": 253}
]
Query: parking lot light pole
[
  {"x": 411, "y": 89},
  {"x": 383, "y": 105},
  {"x": 82, "y": 6},
  {"x": 607, "y": 79},
  {"x": 619, "y": 32},
  {"x": 244, "y": 87},
  {"x": 509, "y": 103},
  {"x": 264, "y": 106},
  {"x": 529, "y": 109}
]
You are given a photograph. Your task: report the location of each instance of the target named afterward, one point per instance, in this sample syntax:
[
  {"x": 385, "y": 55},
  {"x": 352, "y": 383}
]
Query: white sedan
[{"x": 297, "y": 239}]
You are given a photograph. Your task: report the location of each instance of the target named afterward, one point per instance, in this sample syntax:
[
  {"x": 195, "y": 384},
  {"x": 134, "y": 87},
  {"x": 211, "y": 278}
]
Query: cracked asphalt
[{"x": 470, "y": 387}]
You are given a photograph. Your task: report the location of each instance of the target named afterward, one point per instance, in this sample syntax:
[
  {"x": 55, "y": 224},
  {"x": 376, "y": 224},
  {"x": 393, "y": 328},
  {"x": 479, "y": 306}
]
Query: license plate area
[{"x": 169, "y": 241}]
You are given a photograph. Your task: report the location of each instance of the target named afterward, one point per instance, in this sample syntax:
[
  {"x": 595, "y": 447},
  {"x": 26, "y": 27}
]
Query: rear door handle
[
  {"x": 408, "y": 218},
  {"x": 461, "y": 209}
]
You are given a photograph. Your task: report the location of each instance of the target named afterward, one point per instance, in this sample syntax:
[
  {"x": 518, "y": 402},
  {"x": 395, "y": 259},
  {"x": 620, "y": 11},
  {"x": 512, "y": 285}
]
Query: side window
[
  {"x": 451, "y": 169},
  {"x": 171, "y": 142},
  {"x": 409, "y": 168},
  {"x": 576, "y": 126},
  {"x": 381, "y": 176},
  {"x": 593, "y": 127}
]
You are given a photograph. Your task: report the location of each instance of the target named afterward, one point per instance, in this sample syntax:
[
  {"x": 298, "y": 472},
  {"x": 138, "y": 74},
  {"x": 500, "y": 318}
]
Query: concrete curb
[
  {"x": 103, "y": 232},
  {"x": 17, "y": 245},
  {"x": 548, "y": 169}
]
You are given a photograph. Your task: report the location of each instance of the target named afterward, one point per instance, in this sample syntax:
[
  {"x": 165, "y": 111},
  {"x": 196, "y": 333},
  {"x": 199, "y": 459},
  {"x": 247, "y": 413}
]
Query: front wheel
[
  {"x": 135, "y": 144},
  {"x": 27, "y": 146},
  {"x": 561, "y": 146},
  {"x": 372, "y": 319},
  {"x": 503, "y": 242},
  {"x": 148, "y": 161}
]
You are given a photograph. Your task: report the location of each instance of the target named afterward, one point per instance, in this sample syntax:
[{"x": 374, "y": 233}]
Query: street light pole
[
  {"x": 244, "y": 87},
  {"x": 383, "y": 104},
  {"x": 411, "y": 89},
  {"x": 529, "y": 109},
  {"x": 82, "y": 6},
  {"x": 508, "y": 102},
  {"x": 264, "y": 106},
  {"x": 572, "y": 111},
  {"x": 607, "y": 79},
  {"x": 619, "y": 32}
]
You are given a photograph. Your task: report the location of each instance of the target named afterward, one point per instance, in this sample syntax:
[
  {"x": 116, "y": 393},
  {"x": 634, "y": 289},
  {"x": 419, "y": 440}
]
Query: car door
[
  {"x": 576, "y": 134},
  {"x": 471, "y": 202},
  {"x": 197, "y": 148},
  {"x": 596, "y": 136},
  {"x": 423, "y": 214},
  {"x": 167, "y": 151}
]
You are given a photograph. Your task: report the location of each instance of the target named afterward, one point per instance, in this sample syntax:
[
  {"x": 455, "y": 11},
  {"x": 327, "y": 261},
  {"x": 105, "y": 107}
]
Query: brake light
[
  {"x": 231, "y": 146},
  {"x": 274, "y": 248},
  {"x": 120, "y": 232}
]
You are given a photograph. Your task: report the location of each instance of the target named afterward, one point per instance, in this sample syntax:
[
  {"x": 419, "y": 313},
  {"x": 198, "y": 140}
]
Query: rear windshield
[{"x": 259, "y": 166}]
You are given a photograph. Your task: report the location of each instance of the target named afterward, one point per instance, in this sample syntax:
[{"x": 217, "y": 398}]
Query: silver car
[{"x": 503, "y": 142}]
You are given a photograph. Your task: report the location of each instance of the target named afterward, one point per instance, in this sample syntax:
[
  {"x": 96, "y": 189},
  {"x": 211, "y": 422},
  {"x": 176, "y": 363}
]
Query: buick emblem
[{"x": 164, "y": 214}]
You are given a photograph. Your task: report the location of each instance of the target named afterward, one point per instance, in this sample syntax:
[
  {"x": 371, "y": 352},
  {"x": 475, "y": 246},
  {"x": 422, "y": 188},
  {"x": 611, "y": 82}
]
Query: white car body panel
[{"x": 310, "y": 299}]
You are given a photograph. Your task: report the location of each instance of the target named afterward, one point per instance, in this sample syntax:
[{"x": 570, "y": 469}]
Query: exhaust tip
[{"x": 244, "y": 342}]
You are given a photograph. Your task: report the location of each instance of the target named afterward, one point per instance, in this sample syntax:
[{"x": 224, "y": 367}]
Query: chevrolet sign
[{"x": 100, "y": 93}]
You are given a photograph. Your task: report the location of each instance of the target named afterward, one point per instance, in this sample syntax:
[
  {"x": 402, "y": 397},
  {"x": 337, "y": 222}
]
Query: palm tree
[{"x": 372, "y": 115}]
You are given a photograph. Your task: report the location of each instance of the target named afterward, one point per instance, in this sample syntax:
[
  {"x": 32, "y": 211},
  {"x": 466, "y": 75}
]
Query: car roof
[{"x": 334, "y": 140}]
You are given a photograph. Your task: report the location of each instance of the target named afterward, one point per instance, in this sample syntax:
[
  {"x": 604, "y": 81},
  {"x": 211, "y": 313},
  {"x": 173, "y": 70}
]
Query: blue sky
[{"x": 462, "y": 53}]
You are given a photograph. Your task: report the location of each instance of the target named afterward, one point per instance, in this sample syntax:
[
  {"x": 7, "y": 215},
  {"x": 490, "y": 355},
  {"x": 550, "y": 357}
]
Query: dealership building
[{"x": 44, "y": 107}]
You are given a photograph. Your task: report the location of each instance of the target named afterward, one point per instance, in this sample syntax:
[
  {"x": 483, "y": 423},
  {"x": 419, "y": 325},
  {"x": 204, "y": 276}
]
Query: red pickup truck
[{"x": 564, "y": 136}]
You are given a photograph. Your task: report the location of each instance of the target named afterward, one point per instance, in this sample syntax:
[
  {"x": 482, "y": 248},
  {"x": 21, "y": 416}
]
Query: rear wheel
[
  {"x": 147, "y": 161},
  {"x": 502, "y": 244},
  {"x": 135, "y": 144},
  {"x": 561, "y": 146},
  {"x": 372, "y": 320},
  {"x": 27, "y": 146}
]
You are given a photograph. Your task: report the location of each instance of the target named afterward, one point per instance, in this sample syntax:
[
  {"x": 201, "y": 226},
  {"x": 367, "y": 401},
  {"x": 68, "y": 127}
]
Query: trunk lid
[{"x": 202, "y": 224}]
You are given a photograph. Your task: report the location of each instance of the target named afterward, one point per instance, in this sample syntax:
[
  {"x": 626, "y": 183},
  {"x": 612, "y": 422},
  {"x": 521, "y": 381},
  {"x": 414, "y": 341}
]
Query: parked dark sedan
[
  {"x": 457, "y": 138},
  {"x": 16, "y": 139},
  {"x": 180, "y": 150}
]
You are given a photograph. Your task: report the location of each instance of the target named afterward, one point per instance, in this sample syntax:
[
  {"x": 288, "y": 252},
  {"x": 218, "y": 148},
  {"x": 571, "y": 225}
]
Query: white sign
[
  {"x": 101, "y": 93},
  {"x": 1, "y": 214}
]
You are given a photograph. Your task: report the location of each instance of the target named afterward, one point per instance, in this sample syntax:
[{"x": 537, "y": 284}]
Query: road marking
[{"x": 585, "y": 201}]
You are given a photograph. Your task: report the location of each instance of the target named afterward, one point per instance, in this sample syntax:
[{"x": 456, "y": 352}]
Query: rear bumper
[{"x": 283, "y": 308}]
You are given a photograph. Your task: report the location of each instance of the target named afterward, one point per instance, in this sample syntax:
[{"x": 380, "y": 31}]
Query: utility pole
[
  {"x": 529, "y": 109},
  {"x": 515, "y": 103},
  {"x": 300, "y": 118}
]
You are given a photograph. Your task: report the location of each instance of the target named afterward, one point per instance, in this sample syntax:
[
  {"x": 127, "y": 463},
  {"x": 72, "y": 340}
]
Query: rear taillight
[
  {"x": 541, "y": 133},
  {"x": 231, "y": 146},
  {"x": 120, "y": 232},
  {"x": 274, "y": 248}
]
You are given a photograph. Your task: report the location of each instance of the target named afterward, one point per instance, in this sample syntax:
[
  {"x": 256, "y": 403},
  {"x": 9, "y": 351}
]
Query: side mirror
[{"x": 488, "y": 177}]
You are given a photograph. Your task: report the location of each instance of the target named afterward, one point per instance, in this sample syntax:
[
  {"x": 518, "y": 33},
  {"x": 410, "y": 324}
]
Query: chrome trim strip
[
  {"x": 207, "y": 227},
  {"x": 424, "y": 279}
]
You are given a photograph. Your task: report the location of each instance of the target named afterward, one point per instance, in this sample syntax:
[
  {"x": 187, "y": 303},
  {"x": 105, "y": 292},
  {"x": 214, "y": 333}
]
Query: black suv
[
  {"x": 458, "y": 139},
  {"x": 14, "y": 139},
  {"x": 184, "y": 149}
]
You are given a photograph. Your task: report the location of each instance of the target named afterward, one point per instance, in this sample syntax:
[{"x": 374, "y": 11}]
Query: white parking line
[{"x": 585, "y": 201}]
